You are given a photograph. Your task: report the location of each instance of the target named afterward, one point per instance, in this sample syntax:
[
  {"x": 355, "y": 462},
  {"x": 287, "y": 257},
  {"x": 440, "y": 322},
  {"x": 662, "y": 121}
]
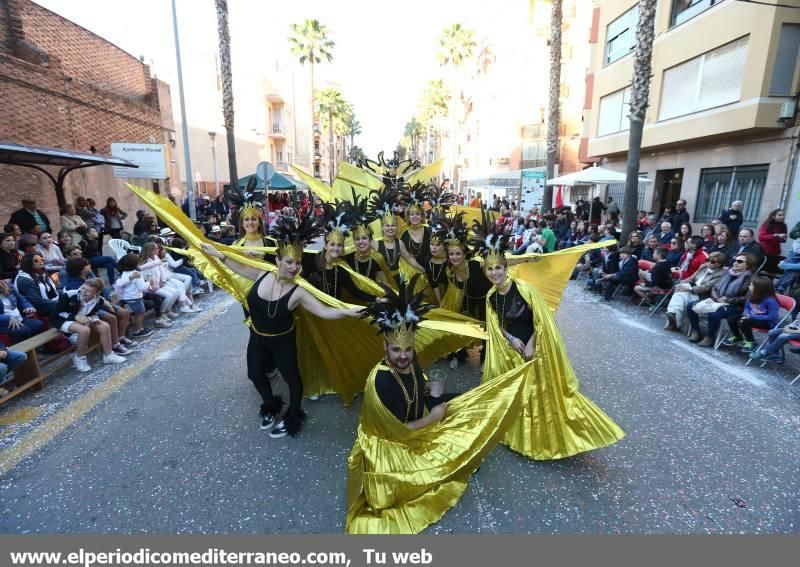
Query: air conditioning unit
[{"x": 787, "y": 110}]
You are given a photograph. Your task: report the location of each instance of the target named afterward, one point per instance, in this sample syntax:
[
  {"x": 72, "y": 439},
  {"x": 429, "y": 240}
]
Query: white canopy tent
[{"x": 594, "y": 175}]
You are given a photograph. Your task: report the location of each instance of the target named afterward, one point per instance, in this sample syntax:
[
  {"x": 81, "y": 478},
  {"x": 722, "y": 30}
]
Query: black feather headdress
[
  {"x": 338, "y": 220},
  {"x": 362, "y": 214},
  {"x": 488, "y": 240},
  {"x": 292, "y": 234},
  {"x": 398, "y": 313}
]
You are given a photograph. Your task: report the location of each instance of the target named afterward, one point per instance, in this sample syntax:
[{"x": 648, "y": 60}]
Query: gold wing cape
[
  {"x": 556, "y": 420},
  {"x": 334, "y": 356},
  {"x": 400, "y": 480}
]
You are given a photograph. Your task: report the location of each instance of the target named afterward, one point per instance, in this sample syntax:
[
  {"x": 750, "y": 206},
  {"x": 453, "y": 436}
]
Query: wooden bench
[{"x": 31, "y": 374}]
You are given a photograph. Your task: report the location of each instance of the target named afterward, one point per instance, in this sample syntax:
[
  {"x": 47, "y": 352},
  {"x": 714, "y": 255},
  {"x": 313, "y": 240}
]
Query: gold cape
[
  {"x": 334, "y": 356},
  {"x": 556, "y": 420},
  {"x": 400, "y": 480}
]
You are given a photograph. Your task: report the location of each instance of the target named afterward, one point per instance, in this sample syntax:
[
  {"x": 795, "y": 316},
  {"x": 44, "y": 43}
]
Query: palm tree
[
  {"x": 413, "y": 131},
  {"x": 640, "y": 100},
  {"x": 456, "y": 44},
  {"x": 332, "y": 105},
  {"x": 342, "y": 125},
  {"x": 433, "y": 106},
  {"x": 310, "y": 44},
  {"x": 357, "y": 154},
  {"x": 227, "y": 89},
  {"x": 353, "y": 130},
  {"x": 554, "y": 105}
]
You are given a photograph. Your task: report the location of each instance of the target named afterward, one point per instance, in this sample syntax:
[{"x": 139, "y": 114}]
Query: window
[
  {"x": 617, "y": 191},
  {"x": 710, "y": 80},
  {"x": 720, "y": 186},
  {"x": 683, "y": 10},
  {"x": 614, "y": 112},
  {"x": 621, "y": 35},
  {"x": 785, "y": 61}
]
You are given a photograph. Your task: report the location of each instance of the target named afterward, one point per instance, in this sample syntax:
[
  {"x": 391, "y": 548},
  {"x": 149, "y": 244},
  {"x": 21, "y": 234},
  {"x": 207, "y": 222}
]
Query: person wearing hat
[
  {"x": 732, "y": 218},
  {"x": 214, "y": 233}
]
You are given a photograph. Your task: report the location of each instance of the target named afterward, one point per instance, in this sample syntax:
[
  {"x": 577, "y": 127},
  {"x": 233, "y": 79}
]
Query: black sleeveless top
[
  {"x": 421, "y": 251},
  {"x": 391, "y": 394},
  {"x": 267, "y": 317},
  {"x": 513, "y": 313},
  {"x": 393, "y": 257},
  {"x": 368, "y": 269},
  {"x": 437, "y": 273}
]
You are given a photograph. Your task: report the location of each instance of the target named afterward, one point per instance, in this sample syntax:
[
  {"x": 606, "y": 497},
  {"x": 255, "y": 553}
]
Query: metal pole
[
  {"x": 184, "y": 126},
  {"x": 213, "y": 135}
]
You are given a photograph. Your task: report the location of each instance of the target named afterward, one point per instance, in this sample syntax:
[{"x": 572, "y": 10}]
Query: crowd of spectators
[{"x": 50, "y": 279}]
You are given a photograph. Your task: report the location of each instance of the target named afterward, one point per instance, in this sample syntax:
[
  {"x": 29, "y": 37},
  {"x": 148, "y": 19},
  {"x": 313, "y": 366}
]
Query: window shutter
[
  {"x": 679, "y": 90},
  {"x": 610, "y": 112},
  {"x": 723, "y": 69},
  {"x": 785, "y": 61}
]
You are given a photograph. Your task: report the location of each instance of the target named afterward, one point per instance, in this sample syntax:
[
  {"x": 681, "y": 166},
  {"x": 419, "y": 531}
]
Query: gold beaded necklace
[
  {"x": 276, "y": 301},
  {"x": 335, "y": 281},
  {"x": 406, "y": 396}
]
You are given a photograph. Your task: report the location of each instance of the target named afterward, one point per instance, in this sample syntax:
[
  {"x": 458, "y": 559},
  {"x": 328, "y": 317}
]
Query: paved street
[{"x": 171, "y": 444}]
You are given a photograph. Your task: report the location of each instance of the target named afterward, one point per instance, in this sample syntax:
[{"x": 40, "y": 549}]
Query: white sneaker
[
  {"x": 195, "y": 309},
  {"x": 173, "y": 314},
  {"x": 198, "y": 291},
  {"x": 81, "y": 364},
  {"x": 113, "y": 359},
  {"x": 163, "y": 322},
  {"x": 313, "y": 398},
  {"x": 453, "y": 364},
  {"x": 186, "y": 309}
]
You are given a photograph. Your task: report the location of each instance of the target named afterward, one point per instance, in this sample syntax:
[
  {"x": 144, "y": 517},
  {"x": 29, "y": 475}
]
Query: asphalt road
[{"x": 171, "y": 443}]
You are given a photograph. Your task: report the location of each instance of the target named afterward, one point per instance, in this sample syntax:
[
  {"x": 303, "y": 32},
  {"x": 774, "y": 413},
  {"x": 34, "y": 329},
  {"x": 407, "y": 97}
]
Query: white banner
[{"x": 151, "y": 159}]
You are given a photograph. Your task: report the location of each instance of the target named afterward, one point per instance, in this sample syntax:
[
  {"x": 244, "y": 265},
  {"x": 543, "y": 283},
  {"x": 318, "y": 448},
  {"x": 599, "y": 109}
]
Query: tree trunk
[
  {"x": 554, "y": 110},
  {"x": 227, "y": 90},
  {"x": 640, "y": 95}
]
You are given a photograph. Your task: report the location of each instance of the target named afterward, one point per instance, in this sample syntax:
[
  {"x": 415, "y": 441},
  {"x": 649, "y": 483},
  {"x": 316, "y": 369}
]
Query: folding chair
[
  {"x": 786, "y": 303},
  {"x": 122, "y": 247}
]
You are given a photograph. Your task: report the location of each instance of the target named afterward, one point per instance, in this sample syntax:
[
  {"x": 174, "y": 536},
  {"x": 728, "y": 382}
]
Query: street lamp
[{"x": 213, "y": 135}]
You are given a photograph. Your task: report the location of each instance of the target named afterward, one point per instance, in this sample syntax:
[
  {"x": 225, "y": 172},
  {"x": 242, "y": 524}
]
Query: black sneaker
[
  {"x": 267, "y": 422},
  {"x": 145, "y": 332},
  {"x": 279, "y": 431}
]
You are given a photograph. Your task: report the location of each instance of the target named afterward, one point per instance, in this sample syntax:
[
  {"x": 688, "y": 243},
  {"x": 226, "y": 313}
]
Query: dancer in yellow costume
[
  {"x": 417, "y": 237},
  {"x": 252, "y": 230},
  {"x": 556, "y": 420},
  {"x": 365, "y": 260},
  {"x": 414, "y": 455},
  {"x": 384, "y": 204},
  {"x": 271, "y": 302}
]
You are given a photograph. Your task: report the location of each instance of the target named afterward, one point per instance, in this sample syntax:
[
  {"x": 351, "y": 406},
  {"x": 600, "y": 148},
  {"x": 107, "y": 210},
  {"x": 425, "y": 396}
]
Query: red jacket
[
  {"x": 770, "y": 243},
  {"x": 700, "y": 257}
]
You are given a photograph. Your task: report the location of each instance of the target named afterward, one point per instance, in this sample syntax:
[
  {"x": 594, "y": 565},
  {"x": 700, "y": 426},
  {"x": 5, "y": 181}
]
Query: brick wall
[
  {"x": 83, "y": 55},
  {"x": 74, "y": 101}
]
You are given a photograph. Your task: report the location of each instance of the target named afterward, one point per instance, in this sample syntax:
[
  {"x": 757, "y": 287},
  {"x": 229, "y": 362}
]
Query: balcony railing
[{"x": 278, "y": 129}]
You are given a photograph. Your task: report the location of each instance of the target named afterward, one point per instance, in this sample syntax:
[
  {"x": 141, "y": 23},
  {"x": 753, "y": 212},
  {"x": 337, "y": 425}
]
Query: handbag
[{"x": 706, "y": 306}]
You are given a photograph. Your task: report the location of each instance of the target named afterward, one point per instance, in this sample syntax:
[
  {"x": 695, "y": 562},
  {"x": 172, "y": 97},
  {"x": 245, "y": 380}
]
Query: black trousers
[
  {"x": 265, "y": 353},
  {"x": 743, "y": 326}
]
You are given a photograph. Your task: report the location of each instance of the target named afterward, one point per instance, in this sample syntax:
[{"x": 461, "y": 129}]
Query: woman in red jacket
[
  {"x": 694, "y": 257},
  {"x": 771, "y": 235}
]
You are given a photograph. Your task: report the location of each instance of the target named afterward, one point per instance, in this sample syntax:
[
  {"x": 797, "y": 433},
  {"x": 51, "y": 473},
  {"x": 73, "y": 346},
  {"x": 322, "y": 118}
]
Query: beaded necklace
[
  {"x": 335, "y": 281},
  {"x": 413, "y": 246},
  {"x": 275, "y": 301},
  {"x": 406, "y": 396},
  {"x": 358, "y": 263}
]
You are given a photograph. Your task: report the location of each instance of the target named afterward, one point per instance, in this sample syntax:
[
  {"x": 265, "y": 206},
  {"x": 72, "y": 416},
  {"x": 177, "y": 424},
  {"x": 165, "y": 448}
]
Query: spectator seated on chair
[
  {"x": 528, "y": 238},
  {"x": 649, "y": 251},
  {"x": 181, "y": 264},
  {"x": 695, "y": 288},
  {"x": 709, "y": 238},
  {"x": 748, "y": 245},
  {"x": 9, "y": 257},
  {"x": 760, "y": 311},
  {"x": 772, "y": 350},
  {"x": 636, "y": 244},
  {"x": 693, "y": 257},
  {"x": 53, "y": 258},
  {"x": 17, "y": 314},
  {"x": 658, "y": 278},
  {"x": 609, "y": 265},
  {"x": 666, "y": 233},
  {"x": 626, "y": 275},
  {"x": 9, "y": 360},
  {"x": 92, "y": 251},
  {"x": 592, "y": 259},
  {"x": 676, "y": 249},
  {"x": 729, "y": 294},
  {"x": 790, "y": 265}
]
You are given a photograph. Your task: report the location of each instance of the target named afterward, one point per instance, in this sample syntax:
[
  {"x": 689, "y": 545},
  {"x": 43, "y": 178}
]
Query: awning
[
  {"x": 36, "y": 157},
  {"x": 592, "y": 176},
  {"x": 279, "y": 182}
]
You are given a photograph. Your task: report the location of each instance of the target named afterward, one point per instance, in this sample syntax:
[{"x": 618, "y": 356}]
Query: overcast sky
[{"x": 385, "y": 51}]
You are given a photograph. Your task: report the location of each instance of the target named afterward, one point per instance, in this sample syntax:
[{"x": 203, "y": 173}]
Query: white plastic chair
[{"x": 122, "y": 247}]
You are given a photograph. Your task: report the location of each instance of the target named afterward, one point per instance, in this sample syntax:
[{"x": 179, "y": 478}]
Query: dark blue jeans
[
  {"x": 714, "y": 319},
  {"x": 189, "y": 272},
  {"x": 27, "y": 328},
  {"x": 11, "y": 361},
  {"x": 108, "y": 263},
  {"x": 776, "y": 338},
  {"x": 788, "y": 276}
]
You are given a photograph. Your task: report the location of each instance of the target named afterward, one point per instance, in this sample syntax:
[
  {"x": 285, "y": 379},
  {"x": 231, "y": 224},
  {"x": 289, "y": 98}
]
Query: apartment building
[{"x": 721, "y": 125}]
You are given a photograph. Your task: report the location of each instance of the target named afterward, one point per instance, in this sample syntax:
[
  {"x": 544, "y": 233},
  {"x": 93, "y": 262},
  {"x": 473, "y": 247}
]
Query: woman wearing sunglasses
[
  {"x": 728, "y": 297},
  {"x": 694, "y": 288}
]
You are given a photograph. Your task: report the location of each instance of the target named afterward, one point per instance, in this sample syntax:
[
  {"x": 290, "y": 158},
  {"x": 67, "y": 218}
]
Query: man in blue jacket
[{"x": 627, "y": 275}]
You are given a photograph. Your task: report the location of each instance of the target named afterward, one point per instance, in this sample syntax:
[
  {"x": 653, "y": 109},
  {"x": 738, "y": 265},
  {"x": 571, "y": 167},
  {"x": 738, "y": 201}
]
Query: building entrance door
[{"x": 668, "y": 189}]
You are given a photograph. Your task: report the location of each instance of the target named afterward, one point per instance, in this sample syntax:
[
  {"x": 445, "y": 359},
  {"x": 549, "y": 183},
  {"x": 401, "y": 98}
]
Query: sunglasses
[{"x": 739, "y": 261}]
